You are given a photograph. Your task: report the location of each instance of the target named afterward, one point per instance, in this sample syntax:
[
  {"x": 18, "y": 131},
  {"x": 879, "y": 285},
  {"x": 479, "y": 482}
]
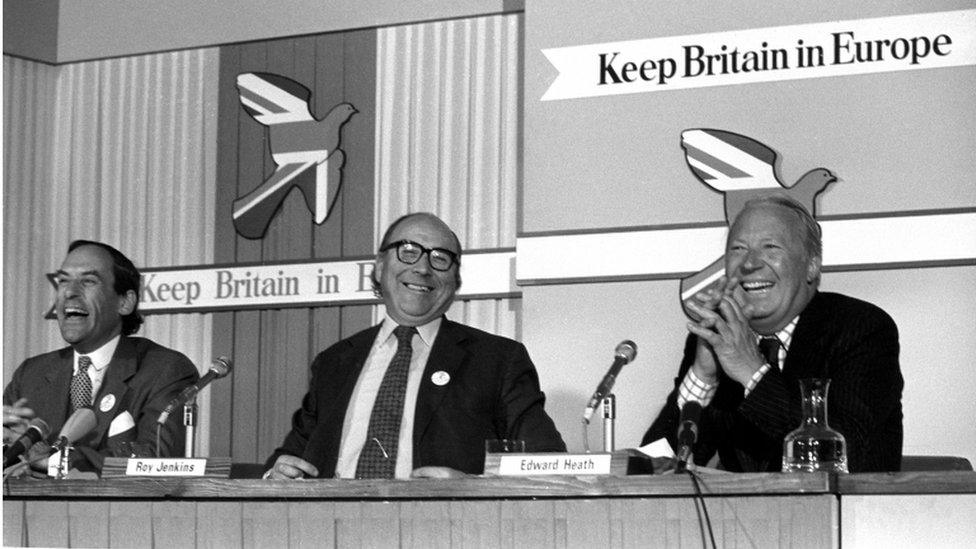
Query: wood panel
[
  {"x": 219, "y": 523},
  {"x": 426, "y": 524},
  {"x": 174, "y": 524},
  {"x": 475, "y": 525},
  {"x": 40, "y": 528},
  {"x": 750, "y": 509},
  {"x": 311, "y": 525},
  {"x": 221, "y": 394},
  {"x": 264, "y": 525},
  {"x": 527, "y": 523},
  {"x": 718, "y": 484},
  {"x": 88, "y": 523},
  {"x": 585, "y": 521},
  {"x": 756, "y": 521},
  {"x": 130, "y": 524},
  {"x": 13, "y": 524},
  {"x": 919, "y": 482},
  {"x": 273, "y": 348}
]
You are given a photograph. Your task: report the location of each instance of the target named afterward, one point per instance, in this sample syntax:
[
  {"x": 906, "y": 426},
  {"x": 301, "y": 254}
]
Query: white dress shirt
[
  {"x": 360, "y": 405},
  {"x": 100, "y": 358}
]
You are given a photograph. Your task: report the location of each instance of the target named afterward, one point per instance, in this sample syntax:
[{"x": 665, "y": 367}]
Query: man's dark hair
[
  {"x": 388, "y": 236},
  {"x": 127, "y": 277}
]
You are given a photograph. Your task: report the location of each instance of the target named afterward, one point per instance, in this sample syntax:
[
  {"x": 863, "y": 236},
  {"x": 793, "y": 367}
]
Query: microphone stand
[
  {"x": 609, "y": 414},
  {"x": 190, "y": 422},
  {"x": 62, "y": 471}
]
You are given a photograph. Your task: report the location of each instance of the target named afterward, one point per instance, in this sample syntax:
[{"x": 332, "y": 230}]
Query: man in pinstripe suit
[{"x": 750, "y": 402}]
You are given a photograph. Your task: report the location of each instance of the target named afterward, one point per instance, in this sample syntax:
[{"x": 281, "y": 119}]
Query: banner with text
[
  {"x": 837, "y": 48},
  {"x": 486, "y": 275}
]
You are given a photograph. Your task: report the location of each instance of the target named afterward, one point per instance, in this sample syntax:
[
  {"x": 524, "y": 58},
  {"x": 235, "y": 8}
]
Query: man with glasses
[{"x": 417, "y": 395}]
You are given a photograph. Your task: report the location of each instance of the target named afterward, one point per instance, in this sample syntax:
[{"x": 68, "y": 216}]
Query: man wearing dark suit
[
  {"x": 750, "y": 403},
  {"x": 458, "y": 387},
  {"x": 127, "y": 381}
]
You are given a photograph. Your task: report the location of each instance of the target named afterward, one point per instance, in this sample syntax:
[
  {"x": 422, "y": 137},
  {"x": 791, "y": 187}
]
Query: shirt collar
[
  {"x": 102, "y": 356},
  {"x": 427, "y": 331},
  {"x": 785, "y": 336}
]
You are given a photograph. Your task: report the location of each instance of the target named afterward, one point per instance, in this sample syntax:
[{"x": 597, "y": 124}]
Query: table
[{"x": 761, "y": 510}]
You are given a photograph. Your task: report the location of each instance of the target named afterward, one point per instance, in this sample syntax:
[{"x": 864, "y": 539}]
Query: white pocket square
[{"x": 122, "y": 423}]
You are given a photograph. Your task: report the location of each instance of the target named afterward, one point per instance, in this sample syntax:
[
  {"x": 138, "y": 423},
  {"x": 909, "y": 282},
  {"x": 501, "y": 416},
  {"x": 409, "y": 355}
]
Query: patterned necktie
[
  {"x": 81, "y": 385},
  {"x": 769, "y": 349},
  {"x": 378, "y": 458}
]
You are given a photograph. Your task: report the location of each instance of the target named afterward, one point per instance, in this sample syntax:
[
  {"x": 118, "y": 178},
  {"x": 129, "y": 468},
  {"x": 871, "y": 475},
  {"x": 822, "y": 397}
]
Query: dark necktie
[
  {"x": 81, "y": 385},
  {"x": 769, "y": 349},
  {"x": 379, "y": 455}
]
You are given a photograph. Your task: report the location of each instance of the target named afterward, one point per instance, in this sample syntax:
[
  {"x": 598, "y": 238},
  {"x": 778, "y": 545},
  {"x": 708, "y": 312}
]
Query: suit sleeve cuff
[{"x": 756, "y": 378}]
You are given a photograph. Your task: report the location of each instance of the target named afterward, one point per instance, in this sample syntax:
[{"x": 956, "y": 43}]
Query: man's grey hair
[{"x": 812, "y": 235}]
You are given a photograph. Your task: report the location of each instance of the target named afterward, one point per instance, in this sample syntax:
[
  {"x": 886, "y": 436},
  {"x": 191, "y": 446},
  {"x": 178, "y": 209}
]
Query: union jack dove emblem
[
  {"x": 742, "y": 169},
  {"x": 306, "y": 150}
]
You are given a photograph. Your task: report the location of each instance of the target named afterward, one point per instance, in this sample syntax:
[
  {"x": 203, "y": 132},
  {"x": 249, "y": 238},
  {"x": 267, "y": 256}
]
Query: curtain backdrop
[
  {"x": 120, "y": 151},
  {"x": 448, "y": 138}
]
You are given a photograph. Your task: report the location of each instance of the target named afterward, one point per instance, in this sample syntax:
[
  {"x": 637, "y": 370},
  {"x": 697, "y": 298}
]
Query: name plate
[
  {"x": 531, "y": 465},
  {"x": 166, "y": 467}
]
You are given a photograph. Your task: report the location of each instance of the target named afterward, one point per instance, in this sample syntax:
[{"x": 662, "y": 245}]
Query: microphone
[
  {"x": 219, "y": 368},
  {"x": 625, "y": 352},
  {"x": 78, "y": 425},
  {"x": 687, "y": 433},
  {"x": 37, "y": 431}
]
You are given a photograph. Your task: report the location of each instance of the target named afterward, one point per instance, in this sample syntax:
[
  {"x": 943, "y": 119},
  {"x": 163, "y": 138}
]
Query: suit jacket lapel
[
  {"x": 447, "y": 356},
  {"x": 112, "y": 393},
  {"x": 805, "y": 341},
  {"x": 323, "y": 447},
  {"x": 350, "y": 366},
  {"x": 58, "y": 378}
]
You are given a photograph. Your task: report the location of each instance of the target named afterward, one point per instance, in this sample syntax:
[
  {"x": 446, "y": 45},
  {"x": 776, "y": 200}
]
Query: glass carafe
[{"x": 814, "y": 446}]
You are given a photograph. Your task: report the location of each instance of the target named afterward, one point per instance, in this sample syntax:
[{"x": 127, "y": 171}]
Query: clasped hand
[
  {"x": 16, "y": 419},
  {"x": 724, "y": 337}
]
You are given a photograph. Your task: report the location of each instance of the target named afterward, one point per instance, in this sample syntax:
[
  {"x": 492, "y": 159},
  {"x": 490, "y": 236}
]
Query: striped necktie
[{"x": 379, "y": 454}]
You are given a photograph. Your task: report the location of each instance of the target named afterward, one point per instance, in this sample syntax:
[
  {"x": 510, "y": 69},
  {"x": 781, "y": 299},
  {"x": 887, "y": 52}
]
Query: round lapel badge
[
  {"x": 107, "y": 402},
  {"x": 440, "y": 378}
]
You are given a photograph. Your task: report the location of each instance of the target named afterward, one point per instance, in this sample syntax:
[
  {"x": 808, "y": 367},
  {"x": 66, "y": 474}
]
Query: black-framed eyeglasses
[{"x": 410, "y": 252}]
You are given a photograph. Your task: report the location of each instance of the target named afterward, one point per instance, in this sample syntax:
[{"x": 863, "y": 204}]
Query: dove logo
[
  {"x": 306, "y": 150},
  {"x": 742, "y": 169}
]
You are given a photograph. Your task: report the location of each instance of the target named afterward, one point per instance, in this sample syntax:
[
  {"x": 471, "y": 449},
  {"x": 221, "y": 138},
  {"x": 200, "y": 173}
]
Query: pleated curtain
[
  {"x": 120, "y": 151},
  {"x": 448, "y": 138}
]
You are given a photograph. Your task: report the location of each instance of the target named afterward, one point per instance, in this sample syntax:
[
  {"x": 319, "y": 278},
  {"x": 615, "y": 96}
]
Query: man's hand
[
  {"x": 710, "y": 297},
  {"x": 437, "y": 472},
  {"x": 704, "y": 366},
  {"x": 702, "y": 304},
  {"x": 16, "y": 419},
  {"x": 290, "y": 467},
  {"x": 726, "y": 331}
]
